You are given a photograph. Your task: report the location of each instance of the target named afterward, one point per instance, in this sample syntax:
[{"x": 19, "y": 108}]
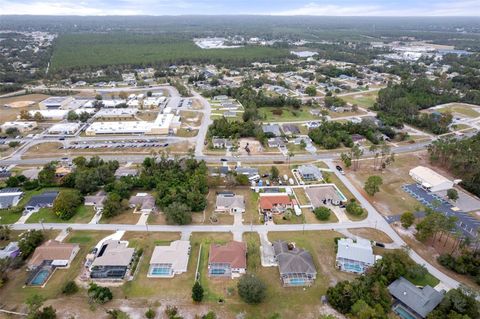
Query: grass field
[
  {"x": 288, "y": 114},
  {"x": 366, "y": 99},
  {"x": 83, "y": 215},
  {"x": 78, "y": 50},
  {"x": 467, "y": 110}
]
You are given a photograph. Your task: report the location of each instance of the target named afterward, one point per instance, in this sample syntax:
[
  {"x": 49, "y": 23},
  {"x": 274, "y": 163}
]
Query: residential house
[
  {"x": 272, "y": 129},
  {"x": 221, "y": 143},
  {"x": 411, "y": 301},
  {"x": 9, "y": 197},
  {"x": 249, "y": 171},
  {"x": 95, "y": 200},
  {"x": 276, "y": 142},
  {"x": 10, "y": 251},
  {"x": 310, "y": 172},
  {"x": 111, "y": 260},
  {"x": 168, "y": 261},
  {"x": 230, "y": 203},
  {"x": 274, "y": 203},
  {"x": 40, "y": 201},
  {"x": 290, "y": 129},
  {"x": 295, "y": 265},
  {"x": 354, "y": 256},
  {"x": 229, "y": 260},
  {"x": 53, "y": 253},
  {"x": 143, "y": 203}
]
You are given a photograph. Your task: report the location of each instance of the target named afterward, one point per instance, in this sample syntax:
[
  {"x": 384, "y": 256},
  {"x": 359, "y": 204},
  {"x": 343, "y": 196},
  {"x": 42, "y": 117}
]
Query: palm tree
[
  {"x": 373, "y": 149},
  {"x": 290, "y": 154}
]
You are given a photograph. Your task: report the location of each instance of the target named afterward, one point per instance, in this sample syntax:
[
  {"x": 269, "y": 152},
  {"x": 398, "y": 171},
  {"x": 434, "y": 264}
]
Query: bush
[
  {"x": 99, "y": 294},
  {"x": 322, "y": 213},
  {"x": 70, "y": 288},
  {"x": 407, "y": 219},
  {"x": 251, "y": 289},
  {"x": 178, "y": 213},
  {"x": 354, "y": 208},
  {"x": 150, "y": 313}
]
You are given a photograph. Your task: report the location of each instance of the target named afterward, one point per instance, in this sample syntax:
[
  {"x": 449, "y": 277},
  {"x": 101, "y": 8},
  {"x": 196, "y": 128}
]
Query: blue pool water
[
  {"x": 217, "y": 271},
  {"x": 353, "y": 267},
  {"x": 40, "y": 278},
  {"x": 403, "y": 313},
  {"x": 297, "y": 282},
  {"x": 161, "y": 271}
]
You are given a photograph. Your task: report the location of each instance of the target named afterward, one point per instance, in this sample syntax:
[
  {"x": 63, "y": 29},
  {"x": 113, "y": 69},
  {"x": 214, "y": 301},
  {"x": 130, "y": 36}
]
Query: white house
[
  {"x": 168, "y": 261},
  {"x": 430, "y": 179},
  {"x": 355, "y": 256},
  {"x": 231, "y": 203}
]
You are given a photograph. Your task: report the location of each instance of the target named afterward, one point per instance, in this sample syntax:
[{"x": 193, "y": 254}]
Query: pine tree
[{"x": 197, "y": 292}]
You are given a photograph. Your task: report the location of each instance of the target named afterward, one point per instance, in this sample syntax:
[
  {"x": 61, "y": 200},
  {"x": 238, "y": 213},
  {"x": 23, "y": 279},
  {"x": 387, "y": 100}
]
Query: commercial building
[
  {"x": 411, "y": 301},
  {"x": 229, "y": 260},
  {"x": 168, "y": 261},
  {"x": 64, "y": 128},
  {"x": 123, "y": 113},
  {"x": 430, "y": 180},
  {"x": 50, "y": 114},
  {"x": 355, "y": 256},
  {"x": 21, "y": 126},
  {"x": 55, "y": 102},
  {"x": 295, "y": 265}
]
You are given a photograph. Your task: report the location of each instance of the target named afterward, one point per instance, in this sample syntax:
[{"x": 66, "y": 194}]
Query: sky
[{"x": 255, "y": 7}]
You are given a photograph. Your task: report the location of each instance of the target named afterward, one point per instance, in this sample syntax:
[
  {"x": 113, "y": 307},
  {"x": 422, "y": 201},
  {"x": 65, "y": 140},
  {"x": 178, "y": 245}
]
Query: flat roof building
[
  {"x": 430, "y": 179},
  {"x": 21, "y": 126},
  {"x": 55, "y": 102},
  {"x": 64, "y": 128}
]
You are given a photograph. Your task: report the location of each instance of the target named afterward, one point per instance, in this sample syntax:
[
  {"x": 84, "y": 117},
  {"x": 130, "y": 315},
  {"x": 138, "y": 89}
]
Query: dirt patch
[
  {"x": 254, "y": 146},
  {"x": 372, "y": 234},
  {"x": 20, "y": 104}
]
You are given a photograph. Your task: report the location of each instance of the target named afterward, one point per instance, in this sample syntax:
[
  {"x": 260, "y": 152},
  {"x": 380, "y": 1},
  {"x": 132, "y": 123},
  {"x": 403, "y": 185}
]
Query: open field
[
  {"x": 391, "y": 200},
  {"x": 288, "y": 114},
  {"x": 366, "y": 99},
  {"x": 125, "y": 217},
  {"x": 23, "y": 102},
  {"x": 77, "y": 50},
  {"x": 468, "y": 110}
]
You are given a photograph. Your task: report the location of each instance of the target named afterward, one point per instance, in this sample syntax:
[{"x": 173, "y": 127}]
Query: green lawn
[
  {"x": 460, "y": 108},
  {"x": 83, "y": 215},
  {"x": 428, "y": 279},
  {"x": 288, "y": 114},
  {"x": 7, "y": 217},
  {"x": 366, "y": 99}
]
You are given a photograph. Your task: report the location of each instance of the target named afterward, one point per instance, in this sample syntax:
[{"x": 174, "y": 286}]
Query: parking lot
[
  {"x": 114, "y": 144},
  {"x": 466, "y": 223}
]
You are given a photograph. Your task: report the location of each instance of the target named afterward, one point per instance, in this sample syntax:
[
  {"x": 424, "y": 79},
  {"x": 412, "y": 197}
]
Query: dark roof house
[
  {"x": 419, "y": 302},
  {"x": 295, "y": 265}
]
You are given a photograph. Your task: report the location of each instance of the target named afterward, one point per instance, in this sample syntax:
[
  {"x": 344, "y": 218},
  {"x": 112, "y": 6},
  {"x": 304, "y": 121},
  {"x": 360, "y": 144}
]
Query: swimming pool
[
  {"x": 40, "y": 277},
  {"x": 352, "y": 267},
  {"x": 399, "y": 310},
  {"x": 217, "y": 271},
  {"x": 160, "y": 271},
  {"x": 296, "y": 282}
]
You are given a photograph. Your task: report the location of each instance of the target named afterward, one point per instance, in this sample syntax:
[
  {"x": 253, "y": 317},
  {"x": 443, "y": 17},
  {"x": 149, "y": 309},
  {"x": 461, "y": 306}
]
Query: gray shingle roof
[
  {"x": 421, "y": 300},
  {"x": 294, "y": 260},
  {"x": 359, "y": 251}
]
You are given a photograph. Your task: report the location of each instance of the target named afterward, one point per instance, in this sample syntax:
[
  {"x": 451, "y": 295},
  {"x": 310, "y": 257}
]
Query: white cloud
[{"x": 450, "y": 8}]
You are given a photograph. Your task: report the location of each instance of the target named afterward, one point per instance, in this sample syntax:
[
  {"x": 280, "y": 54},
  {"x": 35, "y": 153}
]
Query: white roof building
[
  {"x": 64, "y": 128},
  {"x": 21, "y": 126},
  {"x": 168, "y": 261},
  {"x": 54, "y": 114},
  {"x": 355, "y": 256},
  {"x": 430, "y": 179},
  {"x": 55, "y": 102}
]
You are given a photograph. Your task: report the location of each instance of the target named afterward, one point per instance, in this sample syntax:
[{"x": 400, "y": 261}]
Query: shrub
[
  {"x": 354, "y": 208},
  {"x": 197, "y": 292},
  {"x": 150, "y": 313},
  {"x": 322, "y": 213},
  {"x": 70, "y": 288},
  {"x": 99, "y": 294},
  {"x": 251, "y": 289}
]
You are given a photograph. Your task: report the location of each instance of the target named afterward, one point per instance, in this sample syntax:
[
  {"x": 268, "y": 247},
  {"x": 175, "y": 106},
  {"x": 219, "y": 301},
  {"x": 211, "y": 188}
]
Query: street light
[
  {"x": 41, "y": 223},
  {"x": 146, "y": 225}
]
